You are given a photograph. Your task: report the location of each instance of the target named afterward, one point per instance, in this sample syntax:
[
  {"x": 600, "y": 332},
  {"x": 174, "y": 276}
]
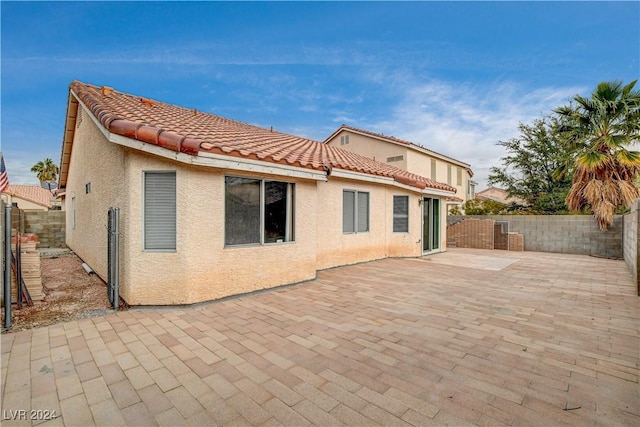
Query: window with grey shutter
[
  {"x": 400, "y": 214},
  {"x": 363, "y": 212},
  {"x": 160, "y": 211},
  {"x": 433, "y": 169}
]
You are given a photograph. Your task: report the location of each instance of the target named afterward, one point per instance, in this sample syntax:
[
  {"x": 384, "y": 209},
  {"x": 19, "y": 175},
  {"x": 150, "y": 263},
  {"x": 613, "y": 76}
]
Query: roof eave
[{"x": 67, "y": 139}]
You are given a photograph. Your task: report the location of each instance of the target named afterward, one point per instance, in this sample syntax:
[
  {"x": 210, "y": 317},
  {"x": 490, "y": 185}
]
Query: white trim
[
  {"x": 249, "y": 165},
  {"x": 210, "y": 159},
  {"x": 359, "y": 176}
]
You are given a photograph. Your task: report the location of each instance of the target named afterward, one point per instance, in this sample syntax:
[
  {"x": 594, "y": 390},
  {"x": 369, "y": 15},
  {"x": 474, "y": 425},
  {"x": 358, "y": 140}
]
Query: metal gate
[{"x": 113, "y": 255}]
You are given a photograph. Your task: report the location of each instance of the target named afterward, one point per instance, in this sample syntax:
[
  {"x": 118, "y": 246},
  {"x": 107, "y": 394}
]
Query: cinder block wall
[
  {"x": 49, "y": 226},
  {"x": 473, "y": 233},
  {"x": 631, "y": 242},
  {"x": 568, "y": 234}
]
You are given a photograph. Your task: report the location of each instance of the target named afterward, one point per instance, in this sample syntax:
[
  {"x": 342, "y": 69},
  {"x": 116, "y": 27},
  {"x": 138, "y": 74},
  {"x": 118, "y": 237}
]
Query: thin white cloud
[{"x": 466, "y": 121}]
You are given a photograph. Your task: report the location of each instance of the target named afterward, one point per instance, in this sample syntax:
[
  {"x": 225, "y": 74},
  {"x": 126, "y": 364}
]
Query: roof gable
[
  {"x": 394, "y": 140},
  {"x": 194, "y": 132}
]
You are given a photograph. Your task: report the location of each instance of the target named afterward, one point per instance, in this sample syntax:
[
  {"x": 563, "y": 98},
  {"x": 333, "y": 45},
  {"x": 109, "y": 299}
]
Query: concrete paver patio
[{"x": 466, "y": 337}]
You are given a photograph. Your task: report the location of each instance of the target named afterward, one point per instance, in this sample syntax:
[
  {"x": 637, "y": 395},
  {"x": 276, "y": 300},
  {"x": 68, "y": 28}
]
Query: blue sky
[{"x": 456, "y": 77}]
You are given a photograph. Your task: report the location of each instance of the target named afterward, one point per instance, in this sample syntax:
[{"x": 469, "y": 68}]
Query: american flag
[{"x": 4, "y": 178}]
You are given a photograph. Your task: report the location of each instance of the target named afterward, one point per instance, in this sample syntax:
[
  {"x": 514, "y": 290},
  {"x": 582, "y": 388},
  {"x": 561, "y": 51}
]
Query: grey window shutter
[
  {"x": 400, "y": 214},
  {"x": 348, "y": 211},
  {"x": 363, "y": 212},
  {"x": 160, "y": 210}
]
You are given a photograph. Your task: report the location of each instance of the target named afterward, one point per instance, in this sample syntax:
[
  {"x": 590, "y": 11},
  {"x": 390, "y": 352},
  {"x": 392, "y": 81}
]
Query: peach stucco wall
[
  {"x": 24, "y": 204},
  {"x": 372, "y": 148},
  {"x": 103, "y": 165},
  {"x": 337, "y": 248},
  {"x": 413, "y": 161},
  {"x": 202, "y": 268}
]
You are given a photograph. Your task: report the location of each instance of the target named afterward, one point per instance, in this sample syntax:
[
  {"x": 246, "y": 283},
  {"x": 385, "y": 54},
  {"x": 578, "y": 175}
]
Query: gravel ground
[{"x": 70, "y": 294}]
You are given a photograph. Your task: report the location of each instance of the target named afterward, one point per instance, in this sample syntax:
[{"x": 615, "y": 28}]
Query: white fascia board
[
  {"x": 359, "y": 176},
  {"x": 211, "y": 160},
  {"x": 249, "y": 165}
]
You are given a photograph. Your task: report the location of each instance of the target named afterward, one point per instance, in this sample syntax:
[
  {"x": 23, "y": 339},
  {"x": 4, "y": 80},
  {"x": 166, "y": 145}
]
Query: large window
[
  {"x": 159, "y": 211},
  {"x": 355, "y": 211},
  {"x": 258, "y": 211},
  {"x": 400, "y": 214}
]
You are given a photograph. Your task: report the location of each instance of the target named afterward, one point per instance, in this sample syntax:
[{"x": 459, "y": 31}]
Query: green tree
[
  {"x": 46, "y": 170},
  {"x": 599, "y": 131},
  {"x": 529, "y": 171},
  {"x": 484, "y": 207}
]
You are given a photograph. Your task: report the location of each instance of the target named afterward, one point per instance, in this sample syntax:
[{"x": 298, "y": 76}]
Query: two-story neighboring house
[{"x": 410, "y": 157}]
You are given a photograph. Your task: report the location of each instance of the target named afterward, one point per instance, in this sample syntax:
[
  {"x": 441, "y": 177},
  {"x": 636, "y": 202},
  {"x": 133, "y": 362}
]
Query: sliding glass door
[{"x": 430, "y": 225}]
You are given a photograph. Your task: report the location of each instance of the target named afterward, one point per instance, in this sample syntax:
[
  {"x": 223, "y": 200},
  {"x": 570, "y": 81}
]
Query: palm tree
[
  {"x": 46, "y": 170},
  {"x": 598, "y": 131}
]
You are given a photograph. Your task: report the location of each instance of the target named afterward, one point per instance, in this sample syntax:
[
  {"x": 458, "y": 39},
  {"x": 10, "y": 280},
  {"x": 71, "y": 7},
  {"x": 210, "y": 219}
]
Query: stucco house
[
  {"x": 409, "y": 156},
  {"x": 30, "y": 197},
  {"x": 212, "y": 207}
]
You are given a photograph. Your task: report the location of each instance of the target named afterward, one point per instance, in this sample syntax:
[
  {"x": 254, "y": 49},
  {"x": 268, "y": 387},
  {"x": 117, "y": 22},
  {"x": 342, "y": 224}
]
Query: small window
[
  {"x": 433, "y": 169},
  {"x": 344, "y": 139},
  {"x": 159, "y": 212},
  {"x": 449, "y": 174},
  {"x": 87, "y": 188},
  {"x": 355, "y": 211},
  {"x": 258, "y": 211},
  {"x": 395, "y": 159},
  {"x": 459, "y": 180},
  {"x": 73, "y": 213},
  {"x": 400, "y": 214}
]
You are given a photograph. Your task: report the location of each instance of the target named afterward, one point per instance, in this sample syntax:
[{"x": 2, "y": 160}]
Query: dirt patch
[{"x": 69, "y": 294}]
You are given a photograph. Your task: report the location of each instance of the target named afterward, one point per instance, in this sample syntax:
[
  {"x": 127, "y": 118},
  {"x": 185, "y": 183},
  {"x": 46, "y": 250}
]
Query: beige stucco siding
[
  {"x": 95, "y": 161},
  {"x": 202, "y": 268},
  {"x": 414, "y": 161},
  {"x": 372, "y": 148},
  {"x": 24, "y": 204},
  {"x": 336, "y": 248}
]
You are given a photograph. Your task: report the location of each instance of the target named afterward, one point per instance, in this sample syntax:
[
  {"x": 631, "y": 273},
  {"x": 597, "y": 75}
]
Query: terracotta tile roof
[
  {"x": 191, "y": 132},
  {"x": 397, "y": 140},
  {"x": 32, "y": 193}
]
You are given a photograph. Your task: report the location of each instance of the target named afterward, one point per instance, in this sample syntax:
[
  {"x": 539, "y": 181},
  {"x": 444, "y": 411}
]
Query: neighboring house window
[
  {"x": 471, "y": 190},
  {"x": 459, "y": 180},
  {"x": 344, "y": 139},
  {"x": 159, "y": 211},
  {"x": 73, "y": 213},
  {"x": 355, "y": 211},
  {"x": 449, "y": 174},
  {"x": 395, "y": 159},
  {"x": 87, "y": 188},
  {"x": 258, "y": 211},
  {"x": 433, "y": 169},
  {"x": 400, "y": 214}
]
